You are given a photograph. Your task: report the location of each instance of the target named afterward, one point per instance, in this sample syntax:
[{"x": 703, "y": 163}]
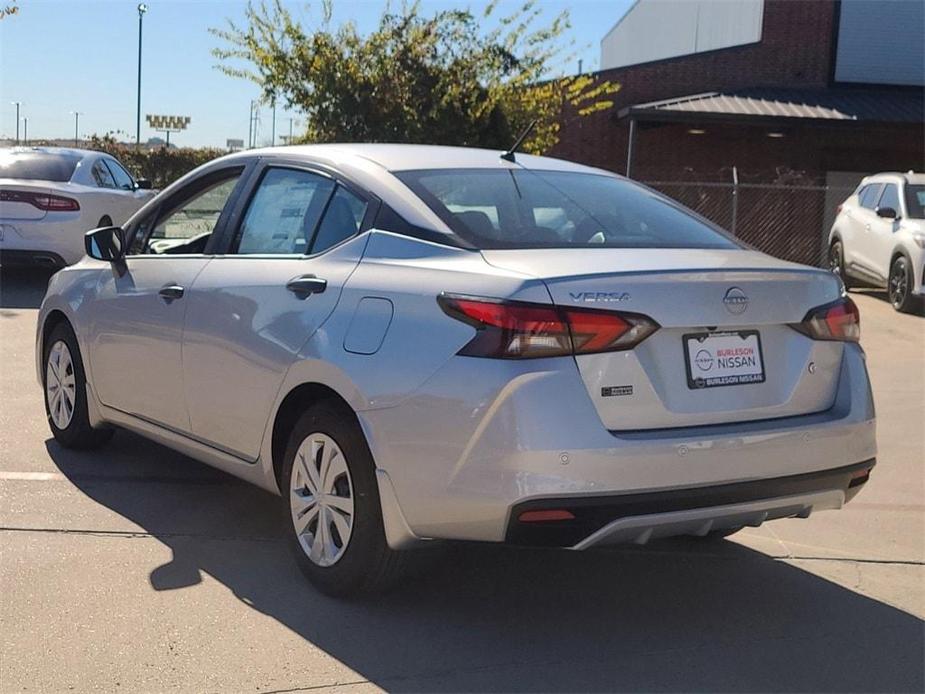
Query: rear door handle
[
  {"x": 304, "y": 285},
  {"x": 171, "y": 292}
]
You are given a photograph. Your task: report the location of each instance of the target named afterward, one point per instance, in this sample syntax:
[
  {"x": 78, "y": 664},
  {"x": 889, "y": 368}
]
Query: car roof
[
  {"x": 893, "y": 176},
  {"x": 404, "y": 157}
]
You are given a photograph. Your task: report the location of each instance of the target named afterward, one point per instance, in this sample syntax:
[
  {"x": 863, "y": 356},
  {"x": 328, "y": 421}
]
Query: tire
[
  {"x": 65, "y": 387},
  {"x": 349, "y": 556},
  {"x": 900, "y": 284},
  {"x": 837, "y": 262}
]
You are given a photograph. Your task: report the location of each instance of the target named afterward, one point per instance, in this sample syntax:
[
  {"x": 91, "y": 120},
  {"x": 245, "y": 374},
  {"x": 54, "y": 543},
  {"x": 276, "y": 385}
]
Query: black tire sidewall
[
  {"x": 906, "y": 304},
  {"x": 838, "y": 248},
  {"x": 367, "y": 538}
]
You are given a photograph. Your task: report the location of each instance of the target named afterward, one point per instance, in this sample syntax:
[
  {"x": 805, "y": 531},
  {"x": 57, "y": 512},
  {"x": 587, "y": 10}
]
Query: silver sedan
[{"x": 412, "y": 344}]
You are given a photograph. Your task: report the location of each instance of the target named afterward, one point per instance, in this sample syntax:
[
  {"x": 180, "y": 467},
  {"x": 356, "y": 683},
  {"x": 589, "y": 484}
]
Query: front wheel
[
  {"x": 66, "y": 392},
  {"x": 837, "y": 262},
  {"x": 333, "y": 508},
  {"x": 900, "y": 286}
]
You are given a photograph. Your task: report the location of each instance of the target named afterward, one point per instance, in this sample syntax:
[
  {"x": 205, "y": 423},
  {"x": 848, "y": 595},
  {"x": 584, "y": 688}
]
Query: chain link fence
[{"x": 786, "y": 221}]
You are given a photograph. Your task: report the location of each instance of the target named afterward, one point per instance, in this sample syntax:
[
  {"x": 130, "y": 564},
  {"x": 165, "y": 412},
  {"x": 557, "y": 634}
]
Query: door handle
[
  {"x": 304, "y": 285},
  {"x": 171, "y": 292}
]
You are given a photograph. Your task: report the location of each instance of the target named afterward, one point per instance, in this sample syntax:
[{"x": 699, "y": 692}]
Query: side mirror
[
  {"x": 887, "y": 213},
  {"x": 142, "y": 184},
  {"x": 105, "y": 243}
]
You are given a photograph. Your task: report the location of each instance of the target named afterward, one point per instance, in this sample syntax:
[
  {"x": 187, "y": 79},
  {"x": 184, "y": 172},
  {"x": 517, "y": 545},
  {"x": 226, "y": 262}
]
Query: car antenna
[{"x": 509, "y": 155}]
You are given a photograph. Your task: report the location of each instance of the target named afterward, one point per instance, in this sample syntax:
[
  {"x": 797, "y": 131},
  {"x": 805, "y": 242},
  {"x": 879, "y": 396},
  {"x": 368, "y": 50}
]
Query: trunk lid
[{"x": 715, "y": 308}]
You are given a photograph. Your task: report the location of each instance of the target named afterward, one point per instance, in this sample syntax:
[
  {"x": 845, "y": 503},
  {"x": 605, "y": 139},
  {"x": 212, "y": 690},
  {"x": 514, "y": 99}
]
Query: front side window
[
  {"x": 120, "y": 175},
  {"x": 284, "y": 212},
  {"x": 520, "y": 208},
  {"x": 915, "y": 201},
  {"x": 187, "y": 225},
  {"x": 102, "y": 176},
  {"x": 890, "y": 197}
]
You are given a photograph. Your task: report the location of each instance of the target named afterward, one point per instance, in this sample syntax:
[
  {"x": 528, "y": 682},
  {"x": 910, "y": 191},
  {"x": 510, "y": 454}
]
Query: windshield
[
  {"x": 38, "y": 166},
  {"x": 915, "y": 201},
  {"x": 520, "y": 208}
]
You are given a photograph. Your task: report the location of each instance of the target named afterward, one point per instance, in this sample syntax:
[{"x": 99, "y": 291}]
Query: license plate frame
[{"x": 722, "y": 340}]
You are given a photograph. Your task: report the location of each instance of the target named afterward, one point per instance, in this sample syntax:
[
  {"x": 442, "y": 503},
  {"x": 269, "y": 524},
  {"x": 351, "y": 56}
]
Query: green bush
[{"x": 160, "y": 165}]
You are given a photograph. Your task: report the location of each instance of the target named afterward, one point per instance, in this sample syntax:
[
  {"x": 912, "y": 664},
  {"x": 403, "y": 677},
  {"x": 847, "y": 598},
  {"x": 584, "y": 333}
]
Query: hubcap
[
  {"x": 321, "y": 499},
  {"x": 898, "y": 284},
  {"x": 60, "y": 385}
]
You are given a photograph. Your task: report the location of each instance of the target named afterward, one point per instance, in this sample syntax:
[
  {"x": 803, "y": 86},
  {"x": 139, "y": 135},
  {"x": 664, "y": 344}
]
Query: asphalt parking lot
[{"x": 138, "y": 569}]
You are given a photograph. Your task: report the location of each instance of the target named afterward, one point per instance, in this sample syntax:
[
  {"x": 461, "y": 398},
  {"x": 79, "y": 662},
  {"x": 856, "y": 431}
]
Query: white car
[
  {"x": 878, "y": 238},
  {"x": 414, "y": 343},
  {"x": 50, "y": 196}
]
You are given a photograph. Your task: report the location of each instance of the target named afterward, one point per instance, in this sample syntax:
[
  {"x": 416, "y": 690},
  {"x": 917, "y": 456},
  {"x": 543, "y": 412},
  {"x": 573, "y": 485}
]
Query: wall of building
[
  {"x": 881, "y": 42},
  {"x": 795, "y": 51},
  {"x": 659, "y": 29}
]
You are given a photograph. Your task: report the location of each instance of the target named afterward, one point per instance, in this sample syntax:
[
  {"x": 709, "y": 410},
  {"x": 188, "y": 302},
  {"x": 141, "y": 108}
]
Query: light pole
[
  {"x": 25, "y": 131},
  {"x": 77, "y": 115},
  {"x": 142, "y": 8},
  {"x": 273, "y": 129},
  {"x": 17, "y": 104}
]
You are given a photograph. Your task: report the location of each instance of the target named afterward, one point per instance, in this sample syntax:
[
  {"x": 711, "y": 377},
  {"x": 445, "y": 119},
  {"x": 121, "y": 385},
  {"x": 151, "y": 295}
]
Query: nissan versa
[{"x": 416, "y": 343}]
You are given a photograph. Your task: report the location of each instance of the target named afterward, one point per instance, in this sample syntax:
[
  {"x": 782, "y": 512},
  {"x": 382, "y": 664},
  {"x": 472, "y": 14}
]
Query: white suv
[{"x": 878, "y": 238}]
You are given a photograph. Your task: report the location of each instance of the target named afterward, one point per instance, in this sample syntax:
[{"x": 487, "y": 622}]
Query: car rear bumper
[
  {"x": 57, "y": 239},
  {"x": 638, "y": 518},
  {"x": 24, "y": 258},
  {"x": 462, "y": 454}
]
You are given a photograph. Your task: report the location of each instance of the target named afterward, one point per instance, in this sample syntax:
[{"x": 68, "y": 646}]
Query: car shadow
[
  {"x": 677, "y": 616},
  {"x": 23, "y": 287},
  {"x": 882, "y": 295}
]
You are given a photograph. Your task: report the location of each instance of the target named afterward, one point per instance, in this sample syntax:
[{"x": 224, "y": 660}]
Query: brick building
[
  {"x": 807, "y": 94},
  {"x": 788, "y": 98}
]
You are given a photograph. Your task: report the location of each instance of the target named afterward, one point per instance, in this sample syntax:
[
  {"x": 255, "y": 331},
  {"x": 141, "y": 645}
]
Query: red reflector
[{"x": 556, "y": 514}]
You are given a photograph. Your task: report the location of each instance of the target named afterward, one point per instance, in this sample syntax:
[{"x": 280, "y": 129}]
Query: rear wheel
[
  {"x": 900, "y": 285},
  {"x": 66, "y": 392},
  {"x": 837, "y": 262},
  {"x": 333, "y": 508}
]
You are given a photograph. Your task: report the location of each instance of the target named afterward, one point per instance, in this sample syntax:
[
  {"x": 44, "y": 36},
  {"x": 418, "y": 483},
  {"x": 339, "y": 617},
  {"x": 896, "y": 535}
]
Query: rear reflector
[
  {"x": 839, "y": 320},
  {"x": 521, "y": 330},
  {"x": 555, "y": 514},
  {"x": 43, "y": 201},
  {"x": 858, "y": 478}
]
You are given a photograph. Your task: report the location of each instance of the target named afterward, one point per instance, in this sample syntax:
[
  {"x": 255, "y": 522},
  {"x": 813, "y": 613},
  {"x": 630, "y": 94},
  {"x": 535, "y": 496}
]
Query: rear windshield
[
  {"x": 915, "y": 201},
  {"x": 38, "y": 166},
  {"x": 521, "y": 208}
]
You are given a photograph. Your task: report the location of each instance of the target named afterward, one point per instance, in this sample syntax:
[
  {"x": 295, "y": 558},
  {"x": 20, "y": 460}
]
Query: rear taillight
[
  {"x": 43, "y": 201},
  {"x": 520, "y": 330},
  {"x": 839, "y": 320}
]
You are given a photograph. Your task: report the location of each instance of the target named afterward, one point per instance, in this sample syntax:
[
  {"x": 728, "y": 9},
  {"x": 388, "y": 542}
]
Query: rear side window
[
  {"x": 341, "y": 220},
  {"x": 868, "y": 195},
  {"x": 890, "y": 197},
  {"x": 38, "y": 166},
  {"x": 102, "y": 176},
  {"x": 284, "y": 212},
  {"x": 120, "y": 175},
  {"x": 520, "y": 208}
]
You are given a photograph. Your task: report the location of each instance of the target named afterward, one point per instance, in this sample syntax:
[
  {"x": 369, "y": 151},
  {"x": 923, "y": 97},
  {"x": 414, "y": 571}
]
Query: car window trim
[
  {"x": 181, "y": 195},
  {"x": 227, "y": 247}
]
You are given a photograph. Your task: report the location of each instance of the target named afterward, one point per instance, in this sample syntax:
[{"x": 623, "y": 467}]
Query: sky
[{"x": 62, "y": 56}]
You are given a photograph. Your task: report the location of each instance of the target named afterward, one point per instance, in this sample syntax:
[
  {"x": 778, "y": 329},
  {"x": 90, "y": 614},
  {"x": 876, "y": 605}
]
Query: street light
[
  {"x": 17, "y": 104},
  {"x": 77, "y": 115},
  {"x": 142, "y": 8},
  {"x": 25, "y": 131}
]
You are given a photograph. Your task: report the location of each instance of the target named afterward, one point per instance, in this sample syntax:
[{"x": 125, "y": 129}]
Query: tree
[
  {"x": 439, "y": 79},
  {"x": 10, "y": 8}
]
